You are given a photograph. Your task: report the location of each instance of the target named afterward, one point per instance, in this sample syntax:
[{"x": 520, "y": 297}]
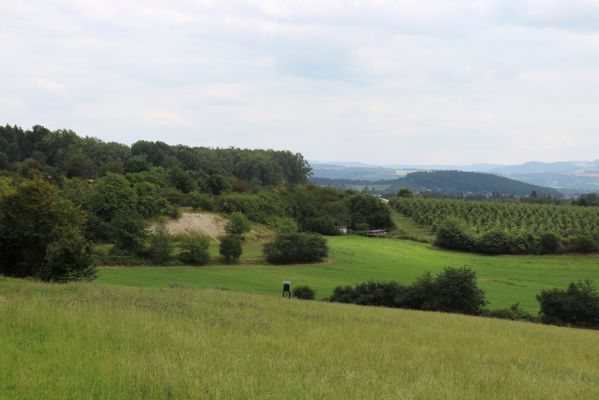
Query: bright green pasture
[
  {"x": 355, "y": 259},
  {"x": 90, "y": 341}
]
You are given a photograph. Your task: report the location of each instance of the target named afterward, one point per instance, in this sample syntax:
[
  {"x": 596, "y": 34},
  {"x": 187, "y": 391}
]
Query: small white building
[{"x": 342, "y": 230}]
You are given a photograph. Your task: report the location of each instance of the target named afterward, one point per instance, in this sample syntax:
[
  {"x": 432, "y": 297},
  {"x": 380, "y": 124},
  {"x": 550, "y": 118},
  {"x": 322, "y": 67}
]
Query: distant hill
[
  {"x": 567, "y": 176},
  {"x": 449, "y": 182},
  {"x": 357, "y": 173}
]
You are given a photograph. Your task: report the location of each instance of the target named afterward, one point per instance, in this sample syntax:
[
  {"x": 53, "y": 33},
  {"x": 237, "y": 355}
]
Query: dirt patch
[
  {"x": 213, "y": 225},
  {"x": 209, "y": 224}
]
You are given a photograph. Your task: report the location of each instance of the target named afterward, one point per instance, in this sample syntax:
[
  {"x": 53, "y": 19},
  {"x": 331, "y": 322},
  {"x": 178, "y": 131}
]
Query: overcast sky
[{"x": 403, "y": 81}]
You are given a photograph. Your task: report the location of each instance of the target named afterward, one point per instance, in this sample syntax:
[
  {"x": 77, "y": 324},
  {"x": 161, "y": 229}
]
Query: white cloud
[
  {"x": 50, "y": 86},
  {"x": 379, "y": 81}
]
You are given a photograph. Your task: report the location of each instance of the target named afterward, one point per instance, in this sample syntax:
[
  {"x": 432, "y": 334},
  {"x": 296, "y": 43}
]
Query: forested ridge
[
  {"x": 63, "y": 152},
  {"x": 449, "y": 183}
]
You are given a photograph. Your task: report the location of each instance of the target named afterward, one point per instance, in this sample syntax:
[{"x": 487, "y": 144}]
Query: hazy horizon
[{"x": 379, "y": 82}]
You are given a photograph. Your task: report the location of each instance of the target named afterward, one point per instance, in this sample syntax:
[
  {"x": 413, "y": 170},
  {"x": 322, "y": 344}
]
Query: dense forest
[
  {"x": 62, "y": 195},
  {"x": 448, "y": 183},
  {"x": 64, "y": 153}
]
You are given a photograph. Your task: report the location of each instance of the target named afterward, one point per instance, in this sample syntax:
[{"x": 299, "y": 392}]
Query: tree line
[{"x": 62, "y": 153}]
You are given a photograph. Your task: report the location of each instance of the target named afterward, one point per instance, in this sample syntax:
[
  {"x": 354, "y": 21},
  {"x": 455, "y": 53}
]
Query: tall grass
[{"x": 90, "y": 341}]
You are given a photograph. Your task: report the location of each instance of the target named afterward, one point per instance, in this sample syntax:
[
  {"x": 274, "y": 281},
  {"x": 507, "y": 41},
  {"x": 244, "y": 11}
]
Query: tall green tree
[
  {"x": 367, "y": 209},
  {"x": 238, "y": 225},
  {"x": 111, "y": 196},
  {"x": 39, "y": 230}
]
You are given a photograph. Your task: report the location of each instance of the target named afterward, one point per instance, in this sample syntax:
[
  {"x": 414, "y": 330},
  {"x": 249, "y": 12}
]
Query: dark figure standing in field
[{"x": 287, "y": 289}]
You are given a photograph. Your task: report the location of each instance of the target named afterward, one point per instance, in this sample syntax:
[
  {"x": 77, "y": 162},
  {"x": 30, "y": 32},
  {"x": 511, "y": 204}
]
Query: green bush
[
  {"x": 230, "y": 248},
  {"x": 513, "y": 312},
  {"x": 283, "y": 225},
  {"x": 194, "y": 248},
  {"x": 578, "y": 305},
  {"x": 452, "y": 234},
  {"x": 200, "y": 201},
  {"x": 550, "y": 243},
  {"x": 238, "y": 225},
  {"x": 39, "y": 231},
  {"x": 383, "y": 294},
  {"x": 454, "y": 290},
  {"x": 160, "y": 245},
  {"x": 257, "y": 207},
  {"x": 68, "y": 257},
  {"x": 367, "y": 209},
  {"x": 523, "y": 243},
  {"x": 583, "y": 244},
  {"x": 323, "y": 224},
  {"x": 111, "y": 197},
  {"x": 128, "y": 232},
  {"x": 304, "y": 293},
  {"x": 296, "y": 248},
  {"x": 494, "y": 242}
]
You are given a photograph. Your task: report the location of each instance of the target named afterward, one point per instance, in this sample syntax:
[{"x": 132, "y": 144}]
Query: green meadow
[
  {"x": 354, "y": 259},
  {"x": 92, "y": 341}
]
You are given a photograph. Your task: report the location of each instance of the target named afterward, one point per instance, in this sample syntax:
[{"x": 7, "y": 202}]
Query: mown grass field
[
  {"x": 91, "y": 341},
  {"x": 354, "y": 259}
]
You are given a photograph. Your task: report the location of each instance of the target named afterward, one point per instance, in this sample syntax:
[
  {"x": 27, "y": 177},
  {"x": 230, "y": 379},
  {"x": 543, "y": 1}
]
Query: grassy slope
[
  {"x": 506, "y": 279},
  {"x": 95, "y": 341}
]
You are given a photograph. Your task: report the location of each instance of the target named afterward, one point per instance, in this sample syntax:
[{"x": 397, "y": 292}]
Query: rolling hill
[{"x": 449, "y": 182}]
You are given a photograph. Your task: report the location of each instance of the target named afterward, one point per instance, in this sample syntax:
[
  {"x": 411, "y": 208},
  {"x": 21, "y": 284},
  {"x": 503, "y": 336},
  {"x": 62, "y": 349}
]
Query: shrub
[
  {"x": 303, "y": 292},
  {"x": 230, "y": 248},
  {"x": 578, "y": 305},
  {"x": 128, "y": 232},
  {"x": 550, "y": 243},
  {"x": 283, "y": 225},
  {"x": 68, "y": 257},
  {"x": 344, "y": 294},
  {"x": 238, "y": 225},
  {"x": 171, "y": 211},
  {"x": 160, "y": 245},
  {"x": 384, "y": 294},
  {"x": 523, "y": 243},
  {"x": 513, "y": 312},
  {"x": 323, "y": 224},
  {"x": 452, "y": 234},
  {"x": 583, "y": 244},
  {"x": 38, "y": 229},
  {"x": 405, "y": 192},
  {"x": 200, "y": 201},
  {"x": 296, "y": 248},
  {"x": 494, "y": 242},
  {"x": 194, "y": 248},
  {"x": 257, "y": 207},
  {"x": 453, "y": 290},
  {"x": 367, "y": 209}
]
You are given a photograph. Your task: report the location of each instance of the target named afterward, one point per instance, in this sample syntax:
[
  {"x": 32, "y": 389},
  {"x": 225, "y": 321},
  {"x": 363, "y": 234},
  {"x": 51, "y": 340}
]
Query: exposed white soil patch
[{"x": 209, "y": 224}]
